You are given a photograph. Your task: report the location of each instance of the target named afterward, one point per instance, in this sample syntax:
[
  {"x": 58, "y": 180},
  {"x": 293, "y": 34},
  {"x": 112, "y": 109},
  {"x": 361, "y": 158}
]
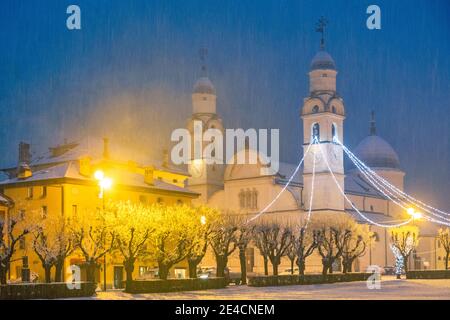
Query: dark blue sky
[{"x": 129, "y": 73}]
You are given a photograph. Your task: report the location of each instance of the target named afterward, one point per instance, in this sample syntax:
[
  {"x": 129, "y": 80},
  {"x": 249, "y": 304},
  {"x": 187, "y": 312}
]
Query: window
[
  {"x": 74, "y": 211},
  {"x": 44, "y": 192},
  {"x": 22, "y": 243},
  {"x": 142, "y": 199},
  {"x": 315, "y": 109},
  {"x": 160, "y": 200},
  {"x": 333, "y": 131},
  {"x": 44, "y": 212},
  {"x": 242, "y": 199},
  {"x": 324, "y": 75},
  {"x": 175, "y": 181},
  {"x": 439, "y": 244},
  {"x": 333, "y": 109},
  {"x": 248, "y": 199},
  {"x": 179, "y": 202},
  {"x": 316, "y": 131},
  {"x": 371, "y": 208},
  {"x": 30, "y": 193}
]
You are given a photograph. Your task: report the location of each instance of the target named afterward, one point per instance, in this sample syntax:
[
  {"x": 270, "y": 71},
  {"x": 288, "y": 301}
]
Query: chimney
[
  {"x": 85, "y": 166},
  {"x": 165, "y": 163},
  {"x": 105, "y": 148},
  {"x": 148, "y": 175},
  {"x": 24, "y": 153},
  {"x": 23, "y": 168}
]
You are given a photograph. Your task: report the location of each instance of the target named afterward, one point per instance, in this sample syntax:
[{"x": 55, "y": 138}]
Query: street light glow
[
  {"x": 99, "y": 175},
  {"x": 106, "y": 183},
  {"x": 413, "y": 213},
  {"x": 203, "y": 220}
]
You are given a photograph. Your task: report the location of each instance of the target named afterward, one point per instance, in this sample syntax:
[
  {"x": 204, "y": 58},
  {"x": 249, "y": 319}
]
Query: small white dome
[
  {"x": 323, "y": 60},
  {"x": 204, "y": 85},
  {"x": 375, "y": 152}
]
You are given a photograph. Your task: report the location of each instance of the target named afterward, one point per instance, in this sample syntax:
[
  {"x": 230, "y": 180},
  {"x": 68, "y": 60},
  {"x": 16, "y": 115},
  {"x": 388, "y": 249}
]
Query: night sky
[{"x": 129, "y": 72}]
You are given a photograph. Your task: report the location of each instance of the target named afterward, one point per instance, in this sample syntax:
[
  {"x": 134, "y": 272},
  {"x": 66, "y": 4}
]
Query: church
[{"x": 243, "y": 189}]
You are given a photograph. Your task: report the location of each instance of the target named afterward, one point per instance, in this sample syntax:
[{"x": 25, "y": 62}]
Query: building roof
[
  {"x": 70, "y": 171},
  {"x": 375, "y": 152},
  {"x": 204, "y": 85},
  {"x": 322, "y": 61}
]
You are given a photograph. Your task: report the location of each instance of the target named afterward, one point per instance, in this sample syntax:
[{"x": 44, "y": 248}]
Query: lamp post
[{"x": 105, "y": 184}]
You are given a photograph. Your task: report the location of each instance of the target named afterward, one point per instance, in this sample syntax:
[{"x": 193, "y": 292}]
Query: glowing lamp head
[
  {"x": 99, "y": 175},
  {"x": 203, "y": 220},
  {"x": 106, "y": 183},
  {"x": 413, "y": 213}
]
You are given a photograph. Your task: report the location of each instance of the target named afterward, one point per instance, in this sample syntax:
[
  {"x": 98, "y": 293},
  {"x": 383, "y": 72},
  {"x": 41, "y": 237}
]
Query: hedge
[
  {"x": 428, "y": 274},
  {"x": 21, "y": 291},
  {"x": 283, "y": 280},
  {"x": 169, "y": 285}
]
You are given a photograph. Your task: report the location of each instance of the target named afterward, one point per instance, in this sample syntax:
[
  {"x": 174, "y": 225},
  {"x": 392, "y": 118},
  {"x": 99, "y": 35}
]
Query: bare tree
[
  {"x": 304, "y": 244},
  {"x": 94, "y": 242},
  {"x": 276, "y": 240},
  {"x": 329, "y": 250},
  {"x": 444, "y": 239},
  {"x": 243, "y": 237},
  {"x": 260, "y": 240},
  {"x": 405, "y": 239},
  {"x": 353, "y": 247},
  {"x": 46, "y": 250},
  {"x": 223, "y": 243},
  {"x": 12, "y": 230}
]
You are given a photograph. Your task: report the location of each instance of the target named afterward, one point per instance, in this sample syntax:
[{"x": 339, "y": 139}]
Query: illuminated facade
[{"x": 62, "y": 182}]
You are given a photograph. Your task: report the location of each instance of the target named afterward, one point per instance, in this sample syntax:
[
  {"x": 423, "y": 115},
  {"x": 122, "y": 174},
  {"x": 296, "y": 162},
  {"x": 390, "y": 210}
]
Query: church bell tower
[
  {"x": 206, "y": 177},
  {"x": 323, "y": 117}
]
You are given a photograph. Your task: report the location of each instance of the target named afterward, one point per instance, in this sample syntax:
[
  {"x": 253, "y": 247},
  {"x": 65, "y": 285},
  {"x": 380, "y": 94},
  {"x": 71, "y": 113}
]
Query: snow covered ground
[{"x": 390, "y": 289}]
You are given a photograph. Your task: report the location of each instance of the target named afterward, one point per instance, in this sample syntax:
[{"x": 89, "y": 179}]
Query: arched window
[
  {"x": 254, "y": 199},
  {"x": 248, "y": 199},
  {"x": 316, "y": 131},
  {"x": 334, "y": 131},
  {"x": 315, "y": 109},
  {"x": 333, "y": 109},
  {"x": 242, "y": 199}
]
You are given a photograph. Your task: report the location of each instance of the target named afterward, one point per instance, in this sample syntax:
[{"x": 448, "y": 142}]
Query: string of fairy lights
[{"x": 387, "y": 189}]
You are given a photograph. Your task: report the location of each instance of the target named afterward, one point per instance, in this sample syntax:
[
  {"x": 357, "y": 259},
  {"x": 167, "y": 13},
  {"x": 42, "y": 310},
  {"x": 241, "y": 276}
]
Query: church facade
[{"x": 242, "y": 189}]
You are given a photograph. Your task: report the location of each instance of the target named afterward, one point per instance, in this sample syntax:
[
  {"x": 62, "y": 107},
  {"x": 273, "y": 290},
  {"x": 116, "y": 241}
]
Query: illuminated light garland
[
  {"x": 353, "y": 206},
  {"x": 399, "y": 263},
  {"x": 394, "y": 191},
  {"x": 312, "y": 186},
  {"x": 285, "y": 186}
]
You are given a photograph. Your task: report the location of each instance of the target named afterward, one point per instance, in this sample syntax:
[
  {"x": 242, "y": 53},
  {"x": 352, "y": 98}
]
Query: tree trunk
[
  {"x": 266, "y": 265},
  {"x": 129, "y": 268},
  {"x": 446, "y": 260},
  {"x": 243, "y": 262},
  {"x": 48, "y": 271},
  {"x": 90, "y": 271},
  {"x": 3, "y": 273},
  {"x": 292, "y": 266},
  {"x": 193, "y": 263},
  {"x": 275, "y": 269},
  {"x": 405, "y": 263},
  {"x": 59, "y": 266},
  {"x": 163, "y": 271},
  {"x": 221, "y": 263},
  {"x": 301, "y": 267}
]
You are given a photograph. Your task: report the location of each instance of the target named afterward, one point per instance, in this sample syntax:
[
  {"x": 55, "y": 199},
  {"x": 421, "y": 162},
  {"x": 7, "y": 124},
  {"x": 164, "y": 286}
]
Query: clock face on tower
[
  {"x": 196, "y": 168},
  {"x": 334, "y": 156}
]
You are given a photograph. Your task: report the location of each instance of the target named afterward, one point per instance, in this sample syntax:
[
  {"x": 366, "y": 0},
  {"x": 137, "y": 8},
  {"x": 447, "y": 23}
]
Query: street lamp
[
  {"x": 105, "y": 184},
  {"x": 203, "y": 220},
  {"x": 416, "y": 215}
]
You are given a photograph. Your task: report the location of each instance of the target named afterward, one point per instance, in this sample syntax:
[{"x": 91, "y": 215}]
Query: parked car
[
  {"x": 388, "y": 270},
  {"x": 231, "y": 277}
]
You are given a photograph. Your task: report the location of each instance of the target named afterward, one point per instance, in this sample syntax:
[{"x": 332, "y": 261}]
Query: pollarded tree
[
  {"x": 304, "y": 242},
  {"x": 12, "y": 230},
  {"x": 243, "y": 237},
  {"x": 132, "y": 225},
  {"x": 276, "y": 239},
  {"x": 351, "y": 240},
  {"x": 444, "y": 239},
  {"x": 405, "y": 239},
  {"x": 175, "y": 234},
  {"x": 259, "y": 239},
  {"x": 223, "y": 242},
  {"x": 94, "y": 239},
  {"x": 206, "y": 218},
  {"x": 329, "y": 234},
  {"x": 52, "y": 243}
]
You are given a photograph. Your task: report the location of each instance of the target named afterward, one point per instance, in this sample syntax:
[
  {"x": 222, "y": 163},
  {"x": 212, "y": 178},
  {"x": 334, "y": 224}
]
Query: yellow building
[{"x": 62, "y": 181}]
